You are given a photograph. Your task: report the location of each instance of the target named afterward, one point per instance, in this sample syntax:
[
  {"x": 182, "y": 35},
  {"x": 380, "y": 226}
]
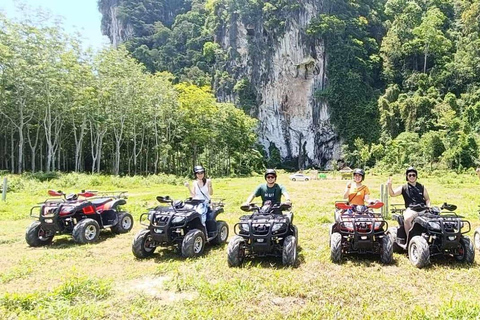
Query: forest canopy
[{"x": 69, "y": 109}]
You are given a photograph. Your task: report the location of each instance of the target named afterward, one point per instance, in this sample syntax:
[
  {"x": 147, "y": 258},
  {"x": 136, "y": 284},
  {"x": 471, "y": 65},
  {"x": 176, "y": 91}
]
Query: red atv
[
  {"x": 358, "y": 229},
  {"x": 80, "y": 214}
]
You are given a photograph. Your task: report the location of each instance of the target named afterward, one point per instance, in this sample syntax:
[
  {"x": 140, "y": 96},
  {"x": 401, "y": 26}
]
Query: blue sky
[{"x": 78, "y": 15}]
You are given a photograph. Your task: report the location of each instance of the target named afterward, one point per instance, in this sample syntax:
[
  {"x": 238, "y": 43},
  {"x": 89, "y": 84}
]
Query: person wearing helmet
[
  {"x": 414, "y": 194},
  {"x": 269, "y": 191},
  {"x": 202, "y": 189},
  {"x": 356, "y": 192}
]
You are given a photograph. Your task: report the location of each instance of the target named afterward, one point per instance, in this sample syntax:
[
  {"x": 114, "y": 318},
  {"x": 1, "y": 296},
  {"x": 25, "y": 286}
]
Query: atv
[
  {"x": 179, "y": 225},
  {"x": 265, "y": 232},
  {"x": 80, "y": 214},
  {"x": 435, "y": 231},
  {"x": 358, "y": 229}
]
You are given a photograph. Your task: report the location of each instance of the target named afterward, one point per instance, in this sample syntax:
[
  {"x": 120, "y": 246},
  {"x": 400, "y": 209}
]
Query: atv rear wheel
[
  {"x": 36, "y": 236},
  {"x": 193, "y": 244},
  {"x": 467, "y": 252},
  {"x": 86, "y": 231},
  {"x": 289, "y": 253},
  {"x": 386, "y": 252},
  {"x": 419, "y": 252},
  {"x": 222, "y": 228},
  {"x": 476, "y": 238},
  {"x": 336, "y": 247},
  {"x": 125, "y": 223},
  {"x": 236, "y": 251},
  {"x": 142, "y": 246},
  {"x": 392, "y": 233}
]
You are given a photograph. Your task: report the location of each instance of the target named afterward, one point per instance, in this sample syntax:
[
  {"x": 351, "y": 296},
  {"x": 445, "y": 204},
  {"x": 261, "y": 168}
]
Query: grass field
[{"x": 105, "y": 281}]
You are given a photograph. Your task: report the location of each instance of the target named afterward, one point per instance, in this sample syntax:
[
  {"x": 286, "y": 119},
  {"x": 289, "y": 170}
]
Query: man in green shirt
[{"x": 270, "y": 191}]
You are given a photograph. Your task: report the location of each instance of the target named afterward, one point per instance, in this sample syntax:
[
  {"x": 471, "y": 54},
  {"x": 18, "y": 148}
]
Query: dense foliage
[
  {"x": 63, "y": 108},
  {"x": 350, "y": 32}
]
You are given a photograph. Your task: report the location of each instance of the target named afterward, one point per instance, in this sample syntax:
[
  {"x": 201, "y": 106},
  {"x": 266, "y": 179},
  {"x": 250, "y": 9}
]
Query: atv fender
[
  {"x": 118, "y": 202},
  {"x": 214, "y": 212}
]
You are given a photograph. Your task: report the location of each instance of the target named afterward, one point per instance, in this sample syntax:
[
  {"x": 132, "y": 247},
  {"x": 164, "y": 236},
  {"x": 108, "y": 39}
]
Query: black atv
[
  {"x": 82, "y": 215},
  {"x": 179, "y": 225},
  {"x": 265, "y": 232},
  {"x": 358, "y": 229},
  {"x": 436, "y": 231}
]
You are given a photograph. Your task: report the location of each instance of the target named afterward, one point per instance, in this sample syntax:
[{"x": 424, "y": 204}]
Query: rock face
[
  {"x": 284, "y": 77},
  {"x": 116, "y": 30},
  {"x": 284, "y": 68}
]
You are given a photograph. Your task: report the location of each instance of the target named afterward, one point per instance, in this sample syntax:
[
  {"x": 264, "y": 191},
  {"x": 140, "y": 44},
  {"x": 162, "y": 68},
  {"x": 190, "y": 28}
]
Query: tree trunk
[{"x": 33, "y": 147}]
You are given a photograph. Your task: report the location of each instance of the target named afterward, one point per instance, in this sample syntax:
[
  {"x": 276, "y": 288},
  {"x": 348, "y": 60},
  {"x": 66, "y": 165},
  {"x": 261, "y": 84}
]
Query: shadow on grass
[
  {"x": 65, "y": 241},
  {"x": 449, "y": 261},
  {"x": 272, "y": 262},
  {"x": 366, "y": 260},
  {"x": 163, "y": 254}
]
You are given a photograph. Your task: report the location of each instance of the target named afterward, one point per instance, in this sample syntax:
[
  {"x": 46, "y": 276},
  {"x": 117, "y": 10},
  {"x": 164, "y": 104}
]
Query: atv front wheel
[
  {"x": 222, "y": 235},
  {"x": 336, "y": 247},
  {"x": 36, "y": 236},
  {"x": 419, "y": 252},
  {"x": 193, "y": 244},
  {"x": 236, "y": 251},
  {"x": 86, "y": 231},
  {"x": 386, "y": 253},
  {"x": 392, "y": 233},
  {"x": 142, "y": 246},
  {"x": 289, "y": 254},
  {"x": 476, "y": 238},
  {"x": 125, "y": 223},
  {"x": 295, "y": 232},
  {"x": 466, "y": 252}
]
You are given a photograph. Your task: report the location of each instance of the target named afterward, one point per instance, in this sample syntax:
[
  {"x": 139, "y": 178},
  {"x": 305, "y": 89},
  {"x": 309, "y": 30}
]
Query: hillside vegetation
[{"x": 105, "y": 281}]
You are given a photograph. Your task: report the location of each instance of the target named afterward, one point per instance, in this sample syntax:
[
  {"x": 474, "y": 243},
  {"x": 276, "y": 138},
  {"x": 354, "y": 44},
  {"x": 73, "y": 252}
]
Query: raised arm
[
  {"x": 347, "y": 190},
  {"x": 210, "y": 187},
  {"x": 189, "y": 189},
  {"x": 391, "y": 192}
]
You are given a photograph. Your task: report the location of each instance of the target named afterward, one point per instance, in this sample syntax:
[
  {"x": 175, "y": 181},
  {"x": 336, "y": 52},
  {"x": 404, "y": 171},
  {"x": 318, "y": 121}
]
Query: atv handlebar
[
  {"x": 254, "y": 207},
  {"x": 346, "y": 206}
]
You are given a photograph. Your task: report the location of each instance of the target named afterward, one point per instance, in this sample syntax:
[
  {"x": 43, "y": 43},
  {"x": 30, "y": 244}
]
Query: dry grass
[{"x": 104, "y": 280}]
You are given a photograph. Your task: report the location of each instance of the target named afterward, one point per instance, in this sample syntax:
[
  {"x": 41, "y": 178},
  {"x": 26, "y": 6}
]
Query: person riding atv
[
  {"x": 414, "y": 195},
  {"x": 435, "y": 231},
  {"x": 269, "y": 191}
]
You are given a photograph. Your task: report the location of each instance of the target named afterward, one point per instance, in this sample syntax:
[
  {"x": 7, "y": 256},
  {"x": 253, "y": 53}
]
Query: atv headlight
[
  {"x": 178, "y": 220},
  {"x": 150, "y": 215},
  {"x": 378, "y": 224},
  {"x": 435, "y": 225},
  {"x": 244, "y": 227},
  {"x": 277, "y": 226},
  {"x": 348, "y": 225}
]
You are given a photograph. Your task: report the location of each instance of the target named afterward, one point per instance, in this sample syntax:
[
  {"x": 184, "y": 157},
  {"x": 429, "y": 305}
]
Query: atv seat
[{"x": 99, "y": 202}]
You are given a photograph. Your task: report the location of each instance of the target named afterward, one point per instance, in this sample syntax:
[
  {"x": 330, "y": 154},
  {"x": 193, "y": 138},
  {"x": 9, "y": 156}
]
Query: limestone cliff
[{"x": 285, "y": 67}]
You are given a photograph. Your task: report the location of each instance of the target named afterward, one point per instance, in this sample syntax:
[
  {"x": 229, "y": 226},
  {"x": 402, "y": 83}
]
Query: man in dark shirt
[
  {"x": 270, "y": 191},
  {"x": 413, "y": 193}
]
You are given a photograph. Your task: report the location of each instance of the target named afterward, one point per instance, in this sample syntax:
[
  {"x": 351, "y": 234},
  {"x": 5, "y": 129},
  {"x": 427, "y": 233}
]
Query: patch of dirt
[{"x": 153, "y": 287}]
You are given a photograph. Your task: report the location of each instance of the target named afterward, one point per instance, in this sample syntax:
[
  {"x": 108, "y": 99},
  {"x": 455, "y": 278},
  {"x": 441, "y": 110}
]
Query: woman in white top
[{"x": 202, "y": 189}]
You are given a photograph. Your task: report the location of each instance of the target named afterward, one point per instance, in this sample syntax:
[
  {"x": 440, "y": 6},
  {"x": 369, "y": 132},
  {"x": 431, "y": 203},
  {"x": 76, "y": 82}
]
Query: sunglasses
[
  {"x": 270, "y": 177},
  {"x": 199, "y": 172},
  {"x": 412, "y": 175}
]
